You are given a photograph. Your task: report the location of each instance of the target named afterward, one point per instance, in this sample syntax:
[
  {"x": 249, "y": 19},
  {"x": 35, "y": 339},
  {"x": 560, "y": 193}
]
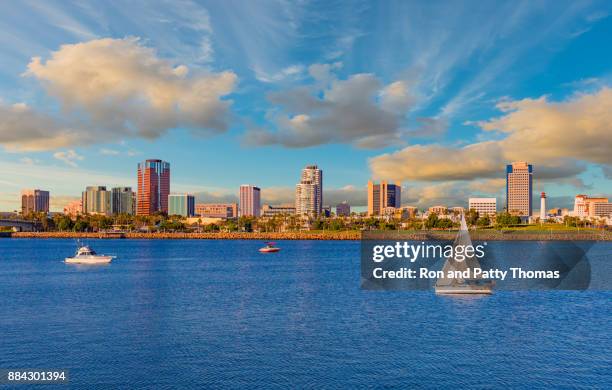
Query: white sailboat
[{"x": 478, "y": 285}]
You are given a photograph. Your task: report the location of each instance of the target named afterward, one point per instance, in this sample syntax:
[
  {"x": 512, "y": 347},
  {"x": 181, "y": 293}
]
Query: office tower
[
  {"x": 217, "y": 210},
  {"x": 122, "y": 200},
  {"x": 519, "y": 183},
  {"x": 382, "y": 196},
  {"x": 542, "y": 206},
  {"x": 96, "y": 200},
  {"x": 153, "y": 187},
  {"x": 34, "y": 201},
  {"x": 484, "y": 206},
  {"x": 343, "y": 209},
  {"x": 309, "y": 191},
  {"x": 249, "y": 201},
  {"x": 181, "y": 204}
]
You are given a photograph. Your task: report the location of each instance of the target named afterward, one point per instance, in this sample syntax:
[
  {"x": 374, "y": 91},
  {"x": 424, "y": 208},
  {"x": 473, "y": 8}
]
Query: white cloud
[
  {"x": 24, "y": 129},
  {"x": 358, "y": 110},
  {"x": 28, "y": 161},
  {"x": 558, "y": 137},
  {"x": 121, "y": 88},
  {"x": 69, "y": 157},
  {"x": 109, "y": 152},
  {"x": 396, "y": 97},
  {"x": 290, "y": 72}
]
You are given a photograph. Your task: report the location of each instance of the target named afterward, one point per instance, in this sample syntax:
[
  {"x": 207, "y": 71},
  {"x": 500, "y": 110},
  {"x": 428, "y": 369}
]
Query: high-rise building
[
  {"x": 306, "y": 198},
  {"x": 217, "y": 210},
  {"x": 153, "y": 187},
  {"x": 383, "y": 196},
  {"x": 122, "y": 200},
  {"x": 343, "y": 209},
  {"x": 484, "y": 206},
  {"x": 34, "y": 201},
  {"x": 250, "y": 201},
  {"x": 309, "y": 191},
  {"x": 181, "y": 204},
  {"x": 96, "y": 200},
  {"x": 519, "y": 183}
]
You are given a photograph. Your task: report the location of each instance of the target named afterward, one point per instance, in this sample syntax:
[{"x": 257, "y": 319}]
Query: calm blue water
[{"x": 177, "y": 314}]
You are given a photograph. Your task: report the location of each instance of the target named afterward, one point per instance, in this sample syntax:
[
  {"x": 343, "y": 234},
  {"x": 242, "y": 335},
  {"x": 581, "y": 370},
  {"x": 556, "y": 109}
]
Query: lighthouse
[{"x": 542, "y": 207}]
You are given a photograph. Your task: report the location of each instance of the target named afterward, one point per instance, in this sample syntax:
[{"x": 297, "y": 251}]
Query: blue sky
[{"x": 438, "y": 95}]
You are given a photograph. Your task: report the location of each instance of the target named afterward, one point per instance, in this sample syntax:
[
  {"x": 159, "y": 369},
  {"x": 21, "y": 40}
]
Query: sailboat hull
[
  {"x": 460, "y": 290},
  {"x": 486, "y": 289}
]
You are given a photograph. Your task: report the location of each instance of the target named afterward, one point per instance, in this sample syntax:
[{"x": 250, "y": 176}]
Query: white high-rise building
[
  {"x": 309, "y": 192},
  {"x": 484, "y": 206},
  {"x": 305, "y": 198},
  {"x": 250, "y": 202}
]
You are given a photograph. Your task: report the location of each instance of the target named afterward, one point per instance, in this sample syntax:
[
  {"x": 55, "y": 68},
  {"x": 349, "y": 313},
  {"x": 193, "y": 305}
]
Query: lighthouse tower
[{"x": 542, "y": 207}]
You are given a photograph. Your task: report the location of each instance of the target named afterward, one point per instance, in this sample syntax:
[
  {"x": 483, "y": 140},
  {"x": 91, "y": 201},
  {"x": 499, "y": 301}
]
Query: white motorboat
[
  {"x": 269, "y": 248},
  {"x": 86, "y": 255}
]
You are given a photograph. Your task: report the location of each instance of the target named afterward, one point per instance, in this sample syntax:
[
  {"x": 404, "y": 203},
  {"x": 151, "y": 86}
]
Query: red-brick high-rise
[{"x": 153, "y": 187}]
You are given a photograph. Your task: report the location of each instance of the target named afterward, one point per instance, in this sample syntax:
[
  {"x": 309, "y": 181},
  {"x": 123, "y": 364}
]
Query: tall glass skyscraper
[
  {"x": 181, "y": 204},
  {"x": 153, "y": 187},
  {"x": 122, "y": 200}
]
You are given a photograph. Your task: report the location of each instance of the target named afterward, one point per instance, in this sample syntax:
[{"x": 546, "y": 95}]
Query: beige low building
[
  {"x": 585, "y": 206},
  {"x": 484, "y": 206},
  {"x": 439, "y": 210},
  {"x": 217, "y": 210},
  {"x": 271, "y": 210},
  {"x": 202, "y": 220}
]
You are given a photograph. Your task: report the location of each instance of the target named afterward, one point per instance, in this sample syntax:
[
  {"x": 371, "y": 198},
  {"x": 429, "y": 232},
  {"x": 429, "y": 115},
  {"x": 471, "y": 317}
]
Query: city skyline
[
  {"x": 440, "y": 102},
  {"x": 383, "y": 199}
]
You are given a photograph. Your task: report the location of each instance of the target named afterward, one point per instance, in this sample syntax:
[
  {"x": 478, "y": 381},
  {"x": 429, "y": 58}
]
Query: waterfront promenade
[{"x": 480, "y": 235}]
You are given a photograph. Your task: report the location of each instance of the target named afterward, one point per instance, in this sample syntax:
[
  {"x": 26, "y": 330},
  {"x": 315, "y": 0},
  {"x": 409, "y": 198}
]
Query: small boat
[
  {"x": 269, "y": 248},
  {"x": 86, "y": 255},
  {"x": 455, "y": 286}
]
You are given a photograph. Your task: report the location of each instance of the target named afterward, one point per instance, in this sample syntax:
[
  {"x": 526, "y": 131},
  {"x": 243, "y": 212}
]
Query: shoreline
[{"x": 477, "y": 235}]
